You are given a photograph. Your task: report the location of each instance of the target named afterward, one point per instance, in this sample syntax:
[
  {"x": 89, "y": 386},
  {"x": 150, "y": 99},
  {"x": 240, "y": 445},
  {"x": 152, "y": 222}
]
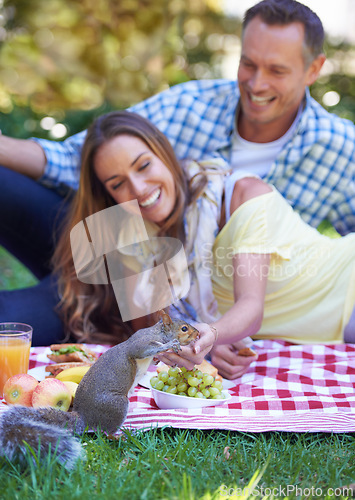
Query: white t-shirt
[
  {"x": 253, "y": 159},
  {"x": 256, "y": 157}
]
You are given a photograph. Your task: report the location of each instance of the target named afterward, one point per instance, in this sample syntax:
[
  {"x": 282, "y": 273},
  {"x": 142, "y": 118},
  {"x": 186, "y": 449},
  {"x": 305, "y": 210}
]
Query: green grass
[
  {"x": 12, "y": 273},
  {"x": 178, "y": 464},
  {"x": 188, "y": 464}
]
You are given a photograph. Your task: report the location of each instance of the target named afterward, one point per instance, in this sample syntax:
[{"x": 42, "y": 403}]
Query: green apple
[
  {"x": 18, "y": 389},
  {"x": 52, "y": 392}
]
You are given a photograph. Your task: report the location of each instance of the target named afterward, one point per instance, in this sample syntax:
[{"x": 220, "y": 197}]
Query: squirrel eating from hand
[{"x": 101, "y": 400}]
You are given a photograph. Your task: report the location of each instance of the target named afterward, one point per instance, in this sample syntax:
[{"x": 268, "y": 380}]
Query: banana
[{"x": 74, "y": 374}]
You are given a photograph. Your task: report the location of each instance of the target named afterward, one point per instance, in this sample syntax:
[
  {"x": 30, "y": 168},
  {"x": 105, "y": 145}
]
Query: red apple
[
  {"x": 51, "y": 392},
  {"x": 18, "y": 389}
]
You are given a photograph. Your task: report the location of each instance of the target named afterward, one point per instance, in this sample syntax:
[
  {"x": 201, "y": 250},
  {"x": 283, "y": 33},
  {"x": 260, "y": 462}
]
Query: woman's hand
[
  {"x": 225, "y": 358},
  {"x": 192, "y": 354}
]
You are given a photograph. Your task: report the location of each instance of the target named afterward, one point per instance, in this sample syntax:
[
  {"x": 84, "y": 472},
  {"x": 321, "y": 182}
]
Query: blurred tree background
[
  {"x": 64, "y": 62},
  {"x": 68, "y": 61}
]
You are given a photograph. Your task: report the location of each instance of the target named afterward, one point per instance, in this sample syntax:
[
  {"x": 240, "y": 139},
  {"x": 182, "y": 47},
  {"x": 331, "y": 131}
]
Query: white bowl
[{"x": 166, "y": 401}]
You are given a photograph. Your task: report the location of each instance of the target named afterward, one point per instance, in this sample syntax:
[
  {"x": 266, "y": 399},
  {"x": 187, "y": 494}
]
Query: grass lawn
[
  {"x": 190, "y": 464},
  {"x": 186, "y": 464}
]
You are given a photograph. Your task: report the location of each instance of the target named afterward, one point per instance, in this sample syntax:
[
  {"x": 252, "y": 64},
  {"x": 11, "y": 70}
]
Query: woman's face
[{"x": 129, "y": 170}]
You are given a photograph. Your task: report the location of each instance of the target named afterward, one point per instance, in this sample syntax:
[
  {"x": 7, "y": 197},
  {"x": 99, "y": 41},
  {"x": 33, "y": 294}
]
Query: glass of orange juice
[{"x": 15, "y": 343}]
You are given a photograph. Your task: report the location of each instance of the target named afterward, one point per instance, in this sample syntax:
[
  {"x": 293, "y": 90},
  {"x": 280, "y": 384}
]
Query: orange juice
[{"x": 14, "y": 353}]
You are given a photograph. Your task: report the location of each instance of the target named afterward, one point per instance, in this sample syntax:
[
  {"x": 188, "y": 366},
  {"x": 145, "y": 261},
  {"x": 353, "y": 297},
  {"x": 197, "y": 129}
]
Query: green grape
[
  {"x": 218, "y": 384},
  {"x": 192, "y": 391},
  {"x": 193, "y": 381},
  {"x": 159, "y": 385},
  {"x": 208, "y": 379},
  {"x": 163, "y": 376},
  {"x": 173, "y": 371},
  {"x": 153, "y": 381},
  {"x": 182, "y": 387},
  {"x": 172, "y": 381}
]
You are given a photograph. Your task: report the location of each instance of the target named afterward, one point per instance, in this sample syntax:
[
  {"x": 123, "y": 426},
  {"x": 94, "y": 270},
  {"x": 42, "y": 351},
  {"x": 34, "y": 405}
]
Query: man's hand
[
  {"x": 192, "y": 354},
  {"x": 225, "y": 358}
]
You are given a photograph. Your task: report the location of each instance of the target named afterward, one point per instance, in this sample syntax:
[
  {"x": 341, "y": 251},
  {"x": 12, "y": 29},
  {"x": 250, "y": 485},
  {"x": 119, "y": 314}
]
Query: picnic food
[
  {"x": 53, "y": 393},
  {"x": 74, "y": 374},
  {"x": 56, "y": 368},
  {"x": 246, "y": 352},
  {"x": 193, "y": 383},
  {"x": 69, "y": 353},
  {"x": 18, "y": 389},
  {"x": 204, "y": 367},
  {"x": 101, "y": 399}
]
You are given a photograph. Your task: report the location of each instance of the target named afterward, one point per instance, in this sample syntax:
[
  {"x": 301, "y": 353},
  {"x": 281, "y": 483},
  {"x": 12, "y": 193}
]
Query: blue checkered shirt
[{"x": 315, "y": 171}]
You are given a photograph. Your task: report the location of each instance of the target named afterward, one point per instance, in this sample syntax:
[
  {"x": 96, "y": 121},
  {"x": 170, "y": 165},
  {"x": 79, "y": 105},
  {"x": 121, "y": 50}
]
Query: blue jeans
[{"x": 30, "y": 218}]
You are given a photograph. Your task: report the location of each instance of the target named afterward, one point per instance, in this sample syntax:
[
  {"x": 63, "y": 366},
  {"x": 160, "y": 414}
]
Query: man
[{"x": 267, "y": 123}]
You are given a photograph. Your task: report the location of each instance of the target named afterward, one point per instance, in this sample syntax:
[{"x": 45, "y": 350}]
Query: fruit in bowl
[{"x": 181, "y": 388}]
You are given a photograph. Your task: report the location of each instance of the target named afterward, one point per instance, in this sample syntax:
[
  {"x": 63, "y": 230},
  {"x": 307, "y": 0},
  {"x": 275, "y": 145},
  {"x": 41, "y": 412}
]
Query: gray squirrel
[{"x": 101, "y": 400}]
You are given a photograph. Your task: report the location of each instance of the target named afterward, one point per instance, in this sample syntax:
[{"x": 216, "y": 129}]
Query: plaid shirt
[{"x": 315, "y": 171}]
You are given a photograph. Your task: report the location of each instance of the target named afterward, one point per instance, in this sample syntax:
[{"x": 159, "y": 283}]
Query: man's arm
[{"x": 22, "y": 155}]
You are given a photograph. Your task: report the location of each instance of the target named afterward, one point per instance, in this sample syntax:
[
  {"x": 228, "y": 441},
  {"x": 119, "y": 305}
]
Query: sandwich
[
  {"x": 71, "y": 353},
  {"x": 55, "y": 368}
]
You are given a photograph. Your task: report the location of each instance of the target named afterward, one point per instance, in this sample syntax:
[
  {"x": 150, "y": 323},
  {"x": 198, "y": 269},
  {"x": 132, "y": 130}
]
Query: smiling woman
[
  {"x": 124, "y": 158},
  {"x": 131, "y": 171}
]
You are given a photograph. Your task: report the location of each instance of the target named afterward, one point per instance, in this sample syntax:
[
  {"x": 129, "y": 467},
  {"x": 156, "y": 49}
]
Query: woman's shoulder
[{"x": 246, "y": 189}]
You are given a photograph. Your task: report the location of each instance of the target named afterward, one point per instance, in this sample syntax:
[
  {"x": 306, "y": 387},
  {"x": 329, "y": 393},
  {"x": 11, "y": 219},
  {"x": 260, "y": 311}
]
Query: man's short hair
[{"x": 284, "y": 12}]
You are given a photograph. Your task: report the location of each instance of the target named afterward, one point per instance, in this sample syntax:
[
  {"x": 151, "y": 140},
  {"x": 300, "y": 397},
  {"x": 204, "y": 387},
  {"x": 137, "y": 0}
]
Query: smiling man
[
  {"x": 273, "y": 74},
  {"x": 266, "y": 123}
]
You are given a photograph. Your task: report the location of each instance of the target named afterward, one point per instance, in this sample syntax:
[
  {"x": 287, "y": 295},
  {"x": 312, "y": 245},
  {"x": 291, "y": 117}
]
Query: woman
[{"x": 259, "y": 266}]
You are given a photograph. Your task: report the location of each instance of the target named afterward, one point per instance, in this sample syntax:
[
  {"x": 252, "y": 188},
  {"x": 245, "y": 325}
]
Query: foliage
[
  {"x": 75, "y": 60},
  {"x": 78, "y": 54}
]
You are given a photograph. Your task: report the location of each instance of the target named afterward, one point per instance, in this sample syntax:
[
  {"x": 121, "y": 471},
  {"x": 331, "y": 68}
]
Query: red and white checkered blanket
[{"x": 309, "y": 388}]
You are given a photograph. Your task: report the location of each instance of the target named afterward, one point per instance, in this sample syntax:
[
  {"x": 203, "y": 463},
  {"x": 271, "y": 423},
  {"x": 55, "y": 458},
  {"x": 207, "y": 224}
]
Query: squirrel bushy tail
[{"x": 45, "y": 430}]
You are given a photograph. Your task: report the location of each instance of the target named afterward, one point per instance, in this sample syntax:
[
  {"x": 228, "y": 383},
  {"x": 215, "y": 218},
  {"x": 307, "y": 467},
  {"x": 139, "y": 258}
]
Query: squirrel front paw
[{"x": 176, "y": 346}]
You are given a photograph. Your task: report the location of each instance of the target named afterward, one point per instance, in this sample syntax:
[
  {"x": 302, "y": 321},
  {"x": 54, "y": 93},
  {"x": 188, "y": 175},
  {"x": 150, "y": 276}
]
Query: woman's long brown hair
[{"x": 90, "y": 312}]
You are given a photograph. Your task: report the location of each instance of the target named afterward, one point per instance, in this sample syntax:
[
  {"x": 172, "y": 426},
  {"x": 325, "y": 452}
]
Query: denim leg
[
  {"x": 36, "y": 307},
  {"x": 30, "y": 215}
]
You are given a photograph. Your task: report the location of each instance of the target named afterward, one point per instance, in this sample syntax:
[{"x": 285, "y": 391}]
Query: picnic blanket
[{"x": 295, "y": 388}]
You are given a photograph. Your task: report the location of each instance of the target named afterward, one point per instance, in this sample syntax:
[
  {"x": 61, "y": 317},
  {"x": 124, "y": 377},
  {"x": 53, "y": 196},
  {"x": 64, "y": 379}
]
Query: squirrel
[{"x": 101, "y": 399}]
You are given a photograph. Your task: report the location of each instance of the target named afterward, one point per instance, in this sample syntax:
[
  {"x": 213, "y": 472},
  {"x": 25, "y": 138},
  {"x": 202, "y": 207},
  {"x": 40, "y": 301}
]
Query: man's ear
[{"x": 314, "y": 68}]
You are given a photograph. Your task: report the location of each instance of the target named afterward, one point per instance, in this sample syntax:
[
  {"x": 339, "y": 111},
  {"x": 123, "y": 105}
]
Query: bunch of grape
[{"x": 191, "y": 383}]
